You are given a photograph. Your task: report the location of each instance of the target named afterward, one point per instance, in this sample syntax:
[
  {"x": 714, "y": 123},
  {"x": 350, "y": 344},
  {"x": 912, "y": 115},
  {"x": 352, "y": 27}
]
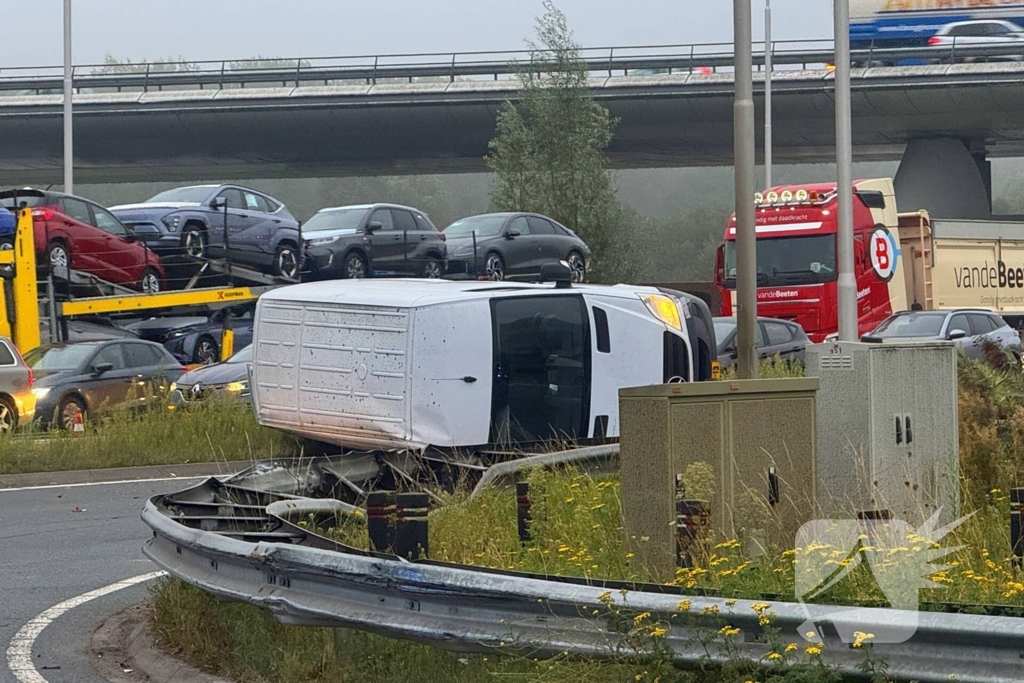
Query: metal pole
[
  {"x": 768, "y": 49},
  {"x": 69, "y": 170},
  {"x": 847, "y": 286},
  {"x": 743, "y": 161}
]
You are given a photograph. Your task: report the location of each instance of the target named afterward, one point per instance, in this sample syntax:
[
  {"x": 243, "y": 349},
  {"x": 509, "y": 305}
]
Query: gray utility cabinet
[{"x": 887, "y": 429}]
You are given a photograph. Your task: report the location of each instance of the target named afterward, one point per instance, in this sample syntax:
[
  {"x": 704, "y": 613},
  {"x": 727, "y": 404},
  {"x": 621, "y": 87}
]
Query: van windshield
[{"x": 788, "y": 261}]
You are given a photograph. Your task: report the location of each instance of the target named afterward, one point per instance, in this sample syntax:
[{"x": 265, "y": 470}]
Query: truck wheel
[
  {"x": 205, "y": 351},
  {"x": 149, "y": 283},
  {"x": 194, "y": 241},
  {"x": 354, "y": 267}
]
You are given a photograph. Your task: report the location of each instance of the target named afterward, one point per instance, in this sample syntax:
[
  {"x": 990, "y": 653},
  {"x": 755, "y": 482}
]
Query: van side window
[
  {"x": 604, "y": 342},
  {"x": 541, "y": 381}
]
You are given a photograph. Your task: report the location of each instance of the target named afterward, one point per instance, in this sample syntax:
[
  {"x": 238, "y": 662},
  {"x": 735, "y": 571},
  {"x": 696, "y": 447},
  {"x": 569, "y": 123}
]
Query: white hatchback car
[{"x": 992, "y": 32}]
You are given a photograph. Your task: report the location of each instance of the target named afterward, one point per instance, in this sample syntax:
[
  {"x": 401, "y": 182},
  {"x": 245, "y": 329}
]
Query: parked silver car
[
  {"x": 783, "y": 338},
  {"x": 17, "y": 402},
  {"x": 968, "y": 327}
]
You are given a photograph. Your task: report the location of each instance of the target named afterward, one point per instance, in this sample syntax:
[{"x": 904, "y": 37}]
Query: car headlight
[
  {"x": 319, "y": 241},
  {"x": 41, "y": 392},
  {"x": 171, "y": 222},
  {"x": 664, "y": 309},
  {"x": 237, "y": 387}
]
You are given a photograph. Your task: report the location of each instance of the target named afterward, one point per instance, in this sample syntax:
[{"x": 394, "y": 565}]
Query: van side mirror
[
  {"x": 956, "y": 334},
  {"x": 101, "y": 368},
  {"x": 374, "y": 226}
]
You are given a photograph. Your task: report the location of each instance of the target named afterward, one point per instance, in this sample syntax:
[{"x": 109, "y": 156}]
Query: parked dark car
[
  {"x": 968, "y": 327},
  {"x": 774, "y": 337},
  {"x": 160, "y": 329},
  {"x": 78, "y": 233},
  {"x": 228, "y": 379},
  {"x": 91, "y": 378},
  {"x": 201, "y": 343},
  {"x": 369, "y": 240},
  {"x": 513, "y": 246},
  {"x": 191, "y": 221},
  {"x": 93, "y": 328}
]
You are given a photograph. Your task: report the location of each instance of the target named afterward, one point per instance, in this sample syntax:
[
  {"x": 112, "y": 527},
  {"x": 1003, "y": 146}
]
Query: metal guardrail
[
  {"x": 240, "y": 540},
  {"x": 493, "y": 65}
]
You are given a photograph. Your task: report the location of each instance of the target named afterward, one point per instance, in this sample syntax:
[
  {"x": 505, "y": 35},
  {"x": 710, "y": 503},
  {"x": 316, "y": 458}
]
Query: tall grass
[{"x": 214, "y": 431}]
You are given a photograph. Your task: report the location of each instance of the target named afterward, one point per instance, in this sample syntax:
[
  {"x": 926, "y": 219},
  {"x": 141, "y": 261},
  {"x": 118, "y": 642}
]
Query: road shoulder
[{"x": 115, "y": 474}]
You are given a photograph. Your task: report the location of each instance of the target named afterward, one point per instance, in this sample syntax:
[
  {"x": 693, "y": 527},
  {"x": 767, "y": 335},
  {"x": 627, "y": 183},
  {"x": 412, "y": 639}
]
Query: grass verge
[{"x": 214, "y": 431}]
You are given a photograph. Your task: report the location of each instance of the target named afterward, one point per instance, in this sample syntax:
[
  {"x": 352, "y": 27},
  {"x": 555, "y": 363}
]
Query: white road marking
[
  {"x": 19, "y": 654},
  {"x": 101, "y": 483}
]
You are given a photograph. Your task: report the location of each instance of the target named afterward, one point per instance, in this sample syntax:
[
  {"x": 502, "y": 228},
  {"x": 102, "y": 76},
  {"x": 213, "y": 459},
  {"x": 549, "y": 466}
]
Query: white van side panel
[
  {"x": 334, "y": 372},
  {"x": 452, "y": 344},
  {"x": 636, "y": 357}
]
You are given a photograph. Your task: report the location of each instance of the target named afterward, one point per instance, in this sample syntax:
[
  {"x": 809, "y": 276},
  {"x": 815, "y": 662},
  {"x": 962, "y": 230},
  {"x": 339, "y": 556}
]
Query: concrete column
[{"x": 943, "y": 177}]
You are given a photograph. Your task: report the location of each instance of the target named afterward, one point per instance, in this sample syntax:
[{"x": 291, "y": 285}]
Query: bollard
[
  {"x": 411, "y": 526},
  {"x": 380, "y": 520},
  {"x": 1016, "y": 542},
  {"x": 691, "y": 519},
  {"x": 523, "y": 510}
]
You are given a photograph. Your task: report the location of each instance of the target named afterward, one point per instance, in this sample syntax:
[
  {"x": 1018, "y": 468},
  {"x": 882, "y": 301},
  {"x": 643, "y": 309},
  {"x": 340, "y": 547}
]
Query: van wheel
[
  {"x": 205, "y": 351},
  {"x": 194, "y": 241},
  {"x": 494, "y": 267},
  {"x": 149, "y": 283},
  {"x": 432, "y": 269},
  {"x": 58, "y": 256},
  {"x": 286, "y": 262},
  {"x": 355, "y": 266},
  {"x": 8, "y": 416}
]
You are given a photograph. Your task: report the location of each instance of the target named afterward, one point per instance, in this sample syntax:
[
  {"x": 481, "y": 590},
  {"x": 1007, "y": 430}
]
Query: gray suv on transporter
[
  {"x": 198, "y": 220},
  {"x": 368, "y": 240}
]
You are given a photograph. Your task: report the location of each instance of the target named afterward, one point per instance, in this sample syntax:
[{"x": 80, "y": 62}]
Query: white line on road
[
  {"x": 101, "y": 483},
  {"x": 19, "y": 654}
]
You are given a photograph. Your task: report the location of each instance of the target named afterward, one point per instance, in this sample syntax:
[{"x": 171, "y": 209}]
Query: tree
[
  {"x": 548, "y": 152},
  {"x": 112, "y": 65}
]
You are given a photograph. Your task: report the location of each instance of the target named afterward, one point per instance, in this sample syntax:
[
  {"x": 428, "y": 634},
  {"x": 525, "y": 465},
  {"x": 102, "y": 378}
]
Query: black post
[
  {"x": 227, "y": 245},
  {"x": 411, "y": 526},
  {"x": 1016, "y": 541},
  {"x": 380, "y": 520},
  {"x": 523, "y": 510},
  {"x": 476, "y": 262},
  {"x": 691, "y": 518}
]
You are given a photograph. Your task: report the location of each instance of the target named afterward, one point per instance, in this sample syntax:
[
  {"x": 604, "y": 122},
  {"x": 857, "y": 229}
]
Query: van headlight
[
  {"x": 664, "y": 309},
  {"x": 238, "y": 387},
  {"x": 41, "y": 392}
]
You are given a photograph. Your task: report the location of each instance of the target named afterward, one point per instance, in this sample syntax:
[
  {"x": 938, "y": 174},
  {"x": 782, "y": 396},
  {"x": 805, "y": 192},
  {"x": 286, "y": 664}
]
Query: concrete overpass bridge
[{"x": 331, "y": 119}]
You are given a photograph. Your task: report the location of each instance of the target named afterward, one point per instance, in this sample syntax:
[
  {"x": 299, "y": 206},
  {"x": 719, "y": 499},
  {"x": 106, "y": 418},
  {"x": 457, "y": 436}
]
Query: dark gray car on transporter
[
  {"x": 367, "y": 240},
  {"x": 513, "y": 246},
  {"x": 219, "y": 221}
]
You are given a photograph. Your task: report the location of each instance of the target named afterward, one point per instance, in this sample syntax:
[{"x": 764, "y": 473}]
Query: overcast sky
[{"x": 235, "y": 29}]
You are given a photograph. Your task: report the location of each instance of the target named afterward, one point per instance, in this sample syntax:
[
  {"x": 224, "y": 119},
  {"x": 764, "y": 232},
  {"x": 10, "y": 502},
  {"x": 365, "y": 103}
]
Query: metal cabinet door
[{"x": 889, "y": 467}]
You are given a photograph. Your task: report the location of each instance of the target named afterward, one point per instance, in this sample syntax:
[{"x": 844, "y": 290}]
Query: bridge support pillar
[{"x": 945, "y": 177}]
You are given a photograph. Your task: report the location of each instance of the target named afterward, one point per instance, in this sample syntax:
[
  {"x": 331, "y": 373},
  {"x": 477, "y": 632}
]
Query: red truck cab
[{"x": 797, "y": 256}]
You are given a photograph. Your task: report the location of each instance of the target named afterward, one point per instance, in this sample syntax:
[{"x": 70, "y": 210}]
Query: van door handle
[
  {"x": 899, "y": 430},
  {"x": 906, "y": 430},
  {"x": 468, "y": 379}
]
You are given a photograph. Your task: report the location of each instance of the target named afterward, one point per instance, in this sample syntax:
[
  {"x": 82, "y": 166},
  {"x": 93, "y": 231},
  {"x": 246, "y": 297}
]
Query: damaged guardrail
[{"x": 244, "y": 542}]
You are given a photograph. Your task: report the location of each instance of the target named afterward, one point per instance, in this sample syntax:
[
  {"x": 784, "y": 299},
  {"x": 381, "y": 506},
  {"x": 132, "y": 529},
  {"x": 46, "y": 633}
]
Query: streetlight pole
[
  {"x": 69, "y": 165},
  {"x": 847, "y": 284},
  {"x": 768, "y": 49},
  {"x": 743, "y": 161}
]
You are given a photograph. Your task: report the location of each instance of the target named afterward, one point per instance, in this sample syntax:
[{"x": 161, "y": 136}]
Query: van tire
[{"x": 354, "y": 266}]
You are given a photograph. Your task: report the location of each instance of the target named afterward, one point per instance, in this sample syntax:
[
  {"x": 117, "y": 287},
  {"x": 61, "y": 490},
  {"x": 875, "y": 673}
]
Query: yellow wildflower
[
  {"x": 728, "y": 631},
  {"x": 859, "y": 638},
  {"x": 730, "y": 603},
  {"x": 773, "y": 656},
  {"x": 710, "y": 609},
  {"x": 813, "y": 650},
  {"x": 640, "y": 617},
  {"x": 658, "y": 632},
  {"x": 791, "y": 647},
  {"x": 683, "y": 606}
]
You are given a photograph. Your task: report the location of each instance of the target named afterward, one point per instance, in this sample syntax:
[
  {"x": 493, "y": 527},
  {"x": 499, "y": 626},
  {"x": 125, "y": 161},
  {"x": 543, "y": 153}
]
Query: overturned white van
[{"x": 411, "y": 364}]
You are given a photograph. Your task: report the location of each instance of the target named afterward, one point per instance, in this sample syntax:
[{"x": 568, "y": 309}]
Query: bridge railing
[{"x": 707, "y": 58}]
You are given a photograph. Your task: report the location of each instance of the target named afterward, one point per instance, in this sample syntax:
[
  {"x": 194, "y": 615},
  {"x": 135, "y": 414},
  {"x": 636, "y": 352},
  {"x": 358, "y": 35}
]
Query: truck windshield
[
  {"x": 788, "y": 260},
  {"x": 913, "y": 324}
]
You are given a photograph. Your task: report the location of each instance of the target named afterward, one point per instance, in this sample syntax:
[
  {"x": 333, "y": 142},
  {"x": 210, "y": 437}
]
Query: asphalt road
[{"x": 49, "y": 553}]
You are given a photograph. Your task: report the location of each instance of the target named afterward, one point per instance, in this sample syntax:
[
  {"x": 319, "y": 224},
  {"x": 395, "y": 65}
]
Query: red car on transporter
[{"x": 80, "y": 234}]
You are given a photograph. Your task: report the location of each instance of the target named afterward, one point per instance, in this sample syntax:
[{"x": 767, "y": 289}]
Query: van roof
[{"x": 411, "y": 293}]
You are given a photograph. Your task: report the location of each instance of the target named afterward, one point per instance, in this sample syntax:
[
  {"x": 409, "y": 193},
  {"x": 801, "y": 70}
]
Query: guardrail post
[
  {"x": 1016, "y": 540},
  {"x": 523, "y": 516},
  {"x": 380, "y": 520},
  {"x": 691, "y": 519},
  {"x": 411, "y": 526}
]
